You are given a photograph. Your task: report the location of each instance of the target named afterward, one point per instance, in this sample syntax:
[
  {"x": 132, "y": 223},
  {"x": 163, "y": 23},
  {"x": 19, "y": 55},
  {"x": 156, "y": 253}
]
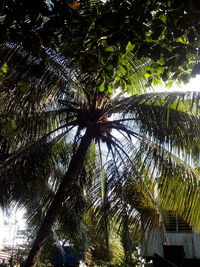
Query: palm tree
[{"x": 54, "y": 113}]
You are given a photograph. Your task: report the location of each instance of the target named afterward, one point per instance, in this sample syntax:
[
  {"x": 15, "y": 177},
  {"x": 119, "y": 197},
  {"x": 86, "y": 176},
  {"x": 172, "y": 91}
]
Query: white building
[
  {"x": 4, "y": 257},
  {"x": 181, "y": 250}
]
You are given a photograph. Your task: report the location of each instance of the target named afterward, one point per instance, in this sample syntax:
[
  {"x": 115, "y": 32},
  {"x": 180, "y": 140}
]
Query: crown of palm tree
[{"x": 52, "y": 113}]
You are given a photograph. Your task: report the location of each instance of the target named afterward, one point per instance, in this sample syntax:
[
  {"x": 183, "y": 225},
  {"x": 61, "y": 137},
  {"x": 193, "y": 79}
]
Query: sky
[
  {"x": 9, "y": 225},
  {"x": 193, "y": 85}
]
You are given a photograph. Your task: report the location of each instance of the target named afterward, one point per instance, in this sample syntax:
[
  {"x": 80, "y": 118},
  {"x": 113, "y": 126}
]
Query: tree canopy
[{"x": 108, "y": 39}]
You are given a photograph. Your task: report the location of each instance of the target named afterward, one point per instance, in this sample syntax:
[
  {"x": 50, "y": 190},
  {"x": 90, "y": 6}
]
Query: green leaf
[
  {"x": 181, "y": 39},
  {"x": 4, "y": 68},
  {"x": 9, "y": 128},
  {"x": 169, "y": 84},
  {"x": 110, "y": 49},
  {"x": 24, "y": 86},
  {"x": 156, "y": 81},
  {"x": 109, "y": 89},
  {"x": 121, "y": 70},
  {"x": 148, "y": 75},
  {"x": 102, "y": 87},
  {"x": 163, "y": 18},
  {"x": 13, "y": 124}
]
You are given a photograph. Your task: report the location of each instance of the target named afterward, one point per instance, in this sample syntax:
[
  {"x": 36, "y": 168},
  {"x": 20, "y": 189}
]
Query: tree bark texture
[{"x": 71, "y": 175}]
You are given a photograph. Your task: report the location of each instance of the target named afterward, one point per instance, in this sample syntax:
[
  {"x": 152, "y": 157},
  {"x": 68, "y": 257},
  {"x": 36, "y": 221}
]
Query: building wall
[
  {"x": 154, "y": 241},
  {"x": 4, "y": 257},
  {"x": 190, "y": 241}
]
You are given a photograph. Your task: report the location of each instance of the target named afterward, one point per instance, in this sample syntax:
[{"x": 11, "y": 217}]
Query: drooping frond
[
  {"x": 175, "y": 180},
  {"x": 171, "y": 118},
  {"x": 30, "y": 80},
  {"x": 30, "y": 169}
]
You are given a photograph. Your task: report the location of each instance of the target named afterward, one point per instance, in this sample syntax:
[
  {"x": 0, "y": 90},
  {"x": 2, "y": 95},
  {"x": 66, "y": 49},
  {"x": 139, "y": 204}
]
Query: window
[{"x": 176, "y": 224}]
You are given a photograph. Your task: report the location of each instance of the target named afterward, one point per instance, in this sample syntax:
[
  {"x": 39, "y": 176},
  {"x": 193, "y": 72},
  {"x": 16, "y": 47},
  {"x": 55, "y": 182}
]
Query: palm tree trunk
[{"x": 71, "y": 175}]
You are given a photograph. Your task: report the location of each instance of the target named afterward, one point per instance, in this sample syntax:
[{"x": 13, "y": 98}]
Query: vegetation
[
  {"x": 95, "y": 35},
  {"x": 69, "y": 143}
]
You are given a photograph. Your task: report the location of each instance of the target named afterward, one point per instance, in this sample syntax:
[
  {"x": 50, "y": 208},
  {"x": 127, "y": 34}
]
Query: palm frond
[
  {"x": 30, "y": 79},
  {"x": 31, "y": 168},
  {"x": 171, "y": 118},
  {"x": 176, "y": 181}
]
